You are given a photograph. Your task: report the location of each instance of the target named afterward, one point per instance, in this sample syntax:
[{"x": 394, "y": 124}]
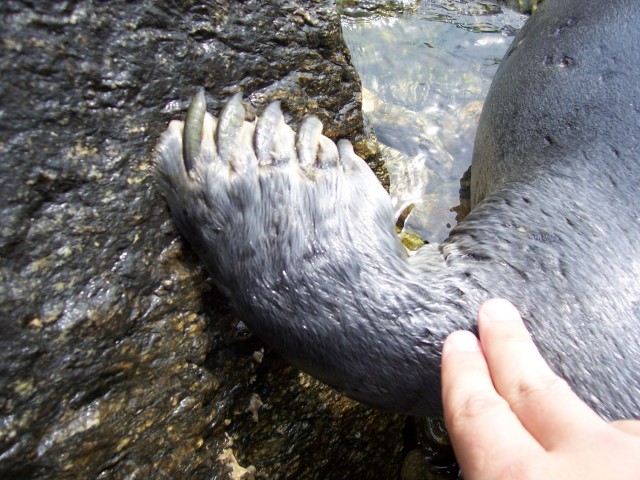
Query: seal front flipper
[{"x": 299, "y": 233}]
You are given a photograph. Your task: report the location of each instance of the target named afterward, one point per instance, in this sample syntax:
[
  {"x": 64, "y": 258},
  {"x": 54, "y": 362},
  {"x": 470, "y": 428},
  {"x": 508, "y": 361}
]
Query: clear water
[{"x": 426, "y": 67}]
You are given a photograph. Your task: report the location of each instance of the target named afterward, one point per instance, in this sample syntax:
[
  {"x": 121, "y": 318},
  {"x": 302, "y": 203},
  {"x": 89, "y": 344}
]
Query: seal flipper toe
[
  {"x": 274, "y": 139},
  {"x": 208, "y": 157},
  {"x": 307, "y": 141},
  {"x": 169, "y": 165},
  {"x": 328, "y": 155},
  {"x": 193, "y": 129},
  {"x": 235, "y": 136}
]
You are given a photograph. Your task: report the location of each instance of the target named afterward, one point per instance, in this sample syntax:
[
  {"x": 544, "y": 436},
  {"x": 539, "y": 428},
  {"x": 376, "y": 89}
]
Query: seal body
[{"x": 299, "y": 234}]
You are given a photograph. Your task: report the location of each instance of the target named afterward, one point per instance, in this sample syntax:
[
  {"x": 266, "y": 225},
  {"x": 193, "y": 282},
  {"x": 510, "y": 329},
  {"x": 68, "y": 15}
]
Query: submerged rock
[
  {"x": 524, "y": 6},
  {"x": 118, "y": 358}
]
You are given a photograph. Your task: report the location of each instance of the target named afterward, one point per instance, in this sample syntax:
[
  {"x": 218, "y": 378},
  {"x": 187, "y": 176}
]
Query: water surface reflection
[{"x": 426, "y": 67}]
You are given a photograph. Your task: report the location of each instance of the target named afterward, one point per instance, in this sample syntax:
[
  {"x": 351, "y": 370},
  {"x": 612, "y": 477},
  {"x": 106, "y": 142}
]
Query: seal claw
[
  {"x": 274, "y": 139},
  {"x": 327, "y": 153},
  {"x": 193, "y": 129},
  {"x": 308, "y": 141},
  {"x": 235, "y": 136},
  {"x": 349, "y": 159},
  {"x": 208, "y": 149}
]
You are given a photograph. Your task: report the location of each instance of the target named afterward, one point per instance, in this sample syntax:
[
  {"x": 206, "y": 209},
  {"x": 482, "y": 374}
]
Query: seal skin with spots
[{"x": 300, "y": 235}]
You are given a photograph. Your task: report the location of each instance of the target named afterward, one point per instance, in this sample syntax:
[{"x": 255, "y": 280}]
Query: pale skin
[{"x": 510, "y": 417}]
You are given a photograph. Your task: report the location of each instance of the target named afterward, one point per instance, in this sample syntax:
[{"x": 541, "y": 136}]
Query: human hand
[{"x": 510, "y": 416}]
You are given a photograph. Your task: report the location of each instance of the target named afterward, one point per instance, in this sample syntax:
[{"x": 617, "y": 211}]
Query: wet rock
[
  {"x": 430, "y": 455},
  {"x": 118, "y": 359},
  {"x": 524, "y": 6},
  {"x": 417, "y": 467}
]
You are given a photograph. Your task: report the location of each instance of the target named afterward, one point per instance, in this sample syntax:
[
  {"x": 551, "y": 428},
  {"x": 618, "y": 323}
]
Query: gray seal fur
[{"x": 299, "y": 234}]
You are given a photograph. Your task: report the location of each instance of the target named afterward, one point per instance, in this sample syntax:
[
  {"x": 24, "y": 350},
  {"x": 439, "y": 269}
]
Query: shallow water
[{"x": 425, "y": 67}]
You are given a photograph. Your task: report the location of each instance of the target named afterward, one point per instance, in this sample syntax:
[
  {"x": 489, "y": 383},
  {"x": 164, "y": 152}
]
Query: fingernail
[
  {"x": 498, "y": 310},
  {"x": 462, "y": 341}
]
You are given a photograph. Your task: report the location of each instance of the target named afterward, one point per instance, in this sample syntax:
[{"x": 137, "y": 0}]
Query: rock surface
[
  {"x": 118, "y": 358},
  {"x": 524, "y": 6}
]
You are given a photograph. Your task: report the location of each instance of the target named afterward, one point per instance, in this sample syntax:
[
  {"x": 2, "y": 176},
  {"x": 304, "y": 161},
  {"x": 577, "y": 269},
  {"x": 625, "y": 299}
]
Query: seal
[{"x": 299, "y": 234}]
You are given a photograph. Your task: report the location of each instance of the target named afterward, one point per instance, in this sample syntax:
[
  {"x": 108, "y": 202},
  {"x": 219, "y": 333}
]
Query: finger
[
  {"x": 629, "y": 426},
  {"x": 482, "y": 427},
  {"x": 543, "y": 402}
]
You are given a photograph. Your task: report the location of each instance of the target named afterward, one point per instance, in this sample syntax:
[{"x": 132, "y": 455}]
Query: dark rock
[{"x": 118, "y": 359}]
